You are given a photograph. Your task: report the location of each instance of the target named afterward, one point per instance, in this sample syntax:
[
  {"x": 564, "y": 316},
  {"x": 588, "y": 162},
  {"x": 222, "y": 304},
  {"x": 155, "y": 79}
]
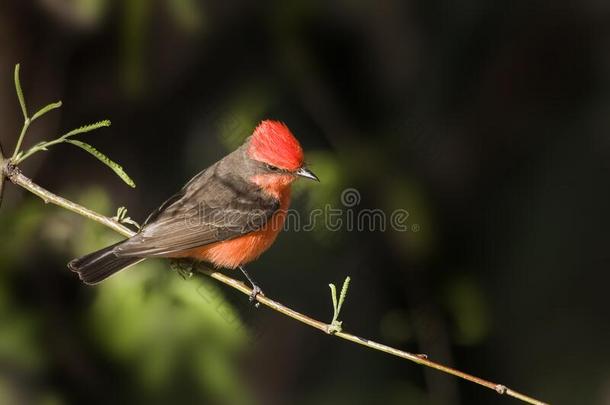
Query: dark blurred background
[{"x": 489, "y": 122}]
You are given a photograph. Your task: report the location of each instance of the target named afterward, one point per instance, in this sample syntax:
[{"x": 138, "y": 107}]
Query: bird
[{"x": 227, "y": 215}]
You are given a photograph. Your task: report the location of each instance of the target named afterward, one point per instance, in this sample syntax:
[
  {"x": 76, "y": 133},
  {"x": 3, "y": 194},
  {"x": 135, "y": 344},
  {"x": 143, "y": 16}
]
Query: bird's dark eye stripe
[{"x": 272, "y": 168}]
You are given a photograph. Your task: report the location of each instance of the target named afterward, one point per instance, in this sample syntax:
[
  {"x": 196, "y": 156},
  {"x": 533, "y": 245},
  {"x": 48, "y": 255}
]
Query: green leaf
[
  {"x": 343, "y": 294},
  {"x": 46, "y": 109},
  {"x": 113, "y": 165},
  {"x": 20, "y": 93},
  {"x": 87, "y": 128},
  {"x": 333, "y": 296}
]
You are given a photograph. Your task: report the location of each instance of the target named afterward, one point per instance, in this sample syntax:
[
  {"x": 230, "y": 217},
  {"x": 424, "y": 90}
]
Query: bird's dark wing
[{"x": 210, "y": 208}]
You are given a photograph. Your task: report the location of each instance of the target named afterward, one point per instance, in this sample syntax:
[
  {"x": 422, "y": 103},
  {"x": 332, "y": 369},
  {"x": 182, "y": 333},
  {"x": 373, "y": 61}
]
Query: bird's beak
[{"x": 306, "y": 173}]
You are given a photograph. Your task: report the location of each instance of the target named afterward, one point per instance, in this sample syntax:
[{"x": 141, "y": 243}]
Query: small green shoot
[
  {"x": 19, "y": 155},
  {"x": 121, "y": 217},
  {"x": 335, "y": 325}
]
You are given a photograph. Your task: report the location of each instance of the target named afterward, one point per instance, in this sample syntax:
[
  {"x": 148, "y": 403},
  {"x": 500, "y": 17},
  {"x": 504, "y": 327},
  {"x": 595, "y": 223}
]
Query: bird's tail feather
[{"x": 98, "y": 266}]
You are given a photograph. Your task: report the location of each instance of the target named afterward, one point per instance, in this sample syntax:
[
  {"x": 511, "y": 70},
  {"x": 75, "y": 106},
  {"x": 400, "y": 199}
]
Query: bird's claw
[
  {"x": 183, "y": 267},
  {"x": 256, "y": 291}
]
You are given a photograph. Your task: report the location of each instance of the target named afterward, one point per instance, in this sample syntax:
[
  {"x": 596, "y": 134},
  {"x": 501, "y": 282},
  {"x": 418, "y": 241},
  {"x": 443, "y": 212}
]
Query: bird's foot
[
  {"x": 183, "y": 267},
  {"x": 256, "y": 291}
]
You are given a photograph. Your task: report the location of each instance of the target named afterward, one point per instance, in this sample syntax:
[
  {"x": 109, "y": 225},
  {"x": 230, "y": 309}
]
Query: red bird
[{"x": 227, "y": 215}]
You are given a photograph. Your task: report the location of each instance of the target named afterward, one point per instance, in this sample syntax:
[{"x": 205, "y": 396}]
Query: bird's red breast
[{"x": 244, "y": 249}]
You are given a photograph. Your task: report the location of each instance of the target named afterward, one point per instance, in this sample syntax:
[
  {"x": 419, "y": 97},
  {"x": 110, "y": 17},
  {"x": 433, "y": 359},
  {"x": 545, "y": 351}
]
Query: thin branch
[
  {"x": 20, "y": 157},
  {"x": 15, "y": 175},
  {"x": 327, "y": 328},
  {"x": 24, "y": 128}
]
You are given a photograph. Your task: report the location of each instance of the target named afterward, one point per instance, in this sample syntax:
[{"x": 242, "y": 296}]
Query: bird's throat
[{"x": 276, "y": 185}]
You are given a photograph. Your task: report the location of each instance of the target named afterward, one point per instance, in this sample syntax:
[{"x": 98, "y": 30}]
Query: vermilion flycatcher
[{"x": 227, "y": 215}]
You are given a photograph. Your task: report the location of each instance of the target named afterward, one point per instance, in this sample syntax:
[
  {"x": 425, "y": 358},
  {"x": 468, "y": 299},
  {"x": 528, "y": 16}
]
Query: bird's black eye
[{"x": 272, "y": 168}]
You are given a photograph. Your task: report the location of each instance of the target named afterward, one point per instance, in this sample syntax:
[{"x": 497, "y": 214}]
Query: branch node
[
  {"x": 501, "y": 389},
  {"x": 10, "y": 170},
  {"x": 333, "y": 328}
]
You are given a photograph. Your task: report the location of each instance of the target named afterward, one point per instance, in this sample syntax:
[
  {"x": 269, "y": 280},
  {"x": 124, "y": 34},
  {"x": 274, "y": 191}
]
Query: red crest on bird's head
[{"x": 273, "y": 143}]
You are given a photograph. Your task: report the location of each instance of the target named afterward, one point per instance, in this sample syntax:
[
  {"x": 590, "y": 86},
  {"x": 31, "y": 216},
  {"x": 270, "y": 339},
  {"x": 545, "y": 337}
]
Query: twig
[
  {"x": 15, "y": 175},
  {"x": 326, "y": 328}
]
